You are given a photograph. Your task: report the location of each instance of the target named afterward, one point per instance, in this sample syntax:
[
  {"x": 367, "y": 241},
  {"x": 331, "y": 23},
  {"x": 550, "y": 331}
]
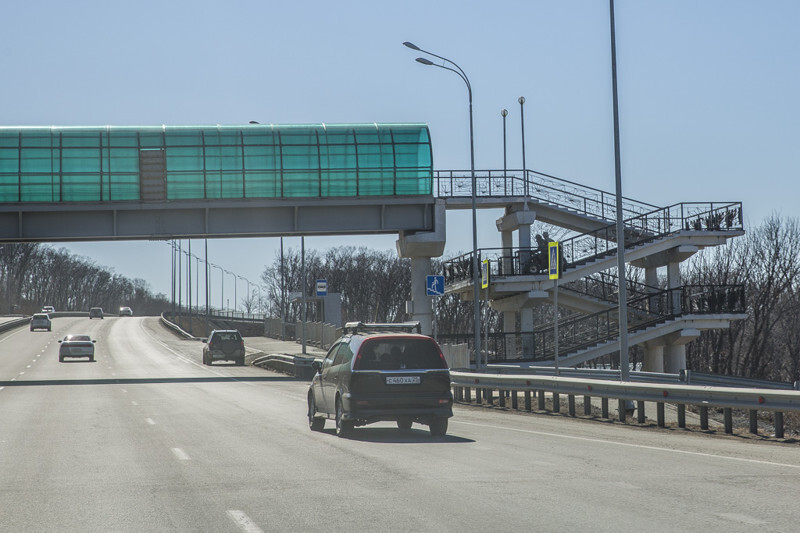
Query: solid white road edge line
[{"x": 629, "y": 445}]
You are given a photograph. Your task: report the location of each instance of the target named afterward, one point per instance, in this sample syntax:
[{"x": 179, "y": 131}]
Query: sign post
[
  {"x": 485, "y": 285},
  {"x": 554, "y": 270}
]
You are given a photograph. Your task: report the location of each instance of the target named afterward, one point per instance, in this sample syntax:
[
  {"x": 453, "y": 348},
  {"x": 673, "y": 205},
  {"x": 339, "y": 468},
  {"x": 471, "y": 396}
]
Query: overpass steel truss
[{"x": 257, "y": 217}]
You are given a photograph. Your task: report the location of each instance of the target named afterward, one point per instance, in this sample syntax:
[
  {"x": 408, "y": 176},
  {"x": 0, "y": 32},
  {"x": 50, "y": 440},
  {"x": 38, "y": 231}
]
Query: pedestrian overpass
[{"x": 83, "y": 183}]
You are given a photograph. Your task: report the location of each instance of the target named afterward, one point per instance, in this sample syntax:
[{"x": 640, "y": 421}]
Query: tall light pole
[
  {"x": 624, "y": 371},
  {"x": 221, "y": 288},
  {"x": 234, "y": 288},
  {"x": 475, "y": 261},
  {"x": 521, "y": 101},
  {"x": 504, "y": 114}
]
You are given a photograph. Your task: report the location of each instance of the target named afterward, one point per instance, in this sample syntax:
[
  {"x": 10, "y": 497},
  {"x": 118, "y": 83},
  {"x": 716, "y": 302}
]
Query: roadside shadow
[{"x": 387, "y": 435}]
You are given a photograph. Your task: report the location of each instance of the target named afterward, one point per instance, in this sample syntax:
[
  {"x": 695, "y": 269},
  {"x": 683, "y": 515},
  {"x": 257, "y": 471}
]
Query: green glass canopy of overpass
[{"x": 172, "y": 163}]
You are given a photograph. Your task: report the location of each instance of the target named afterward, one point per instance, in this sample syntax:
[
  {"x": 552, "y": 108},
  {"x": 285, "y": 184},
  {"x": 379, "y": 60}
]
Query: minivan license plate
[{"x": 402, "y": 380}]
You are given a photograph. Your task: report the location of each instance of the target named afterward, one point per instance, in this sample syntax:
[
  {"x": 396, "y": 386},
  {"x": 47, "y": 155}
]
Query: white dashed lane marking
[
  {"x": 180, "y": 454},
  {"x": 243, "y": 522},
  {"x": 151, "y": 422}
]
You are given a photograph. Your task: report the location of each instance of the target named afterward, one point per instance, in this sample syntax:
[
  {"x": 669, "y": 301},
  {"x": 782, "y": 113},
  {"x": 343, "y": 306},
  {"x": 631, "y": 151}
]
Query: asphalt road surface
[{"x": 148, "y": 439}]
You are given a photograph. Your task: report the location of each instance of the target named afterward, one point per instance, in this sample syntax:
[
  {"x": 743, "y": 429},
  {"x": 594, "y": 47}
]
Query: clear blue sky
[{"x": 708, "y": 91}]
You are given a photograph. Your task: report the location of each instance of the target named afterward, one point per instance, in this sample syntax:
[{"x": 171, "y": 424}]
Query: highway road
[{"x": 148, "y": 439}]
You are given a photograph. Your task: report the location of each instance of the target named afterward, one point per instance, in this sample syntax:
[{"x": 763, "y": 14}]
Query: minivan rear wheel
[
  {"x": 438, "y": 427},
  {"x": 314, "y": 422},
  {"x": 343, "y": 427}
]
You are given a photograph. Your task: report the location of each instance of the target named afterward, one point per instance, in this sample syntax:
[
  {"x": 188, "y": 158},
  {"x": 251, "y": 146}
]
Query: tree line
[
  {"x": 375, "y": 285},
  {"x": 33, "y": 275}
]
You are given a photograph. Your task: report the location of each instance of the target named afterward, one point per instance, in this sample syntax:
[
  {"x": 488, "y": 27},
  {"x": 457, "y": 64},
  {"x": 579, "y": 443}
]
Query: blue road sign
[
  {"x": 322, "y": 287},
  {"x": 434, "y": 285}
]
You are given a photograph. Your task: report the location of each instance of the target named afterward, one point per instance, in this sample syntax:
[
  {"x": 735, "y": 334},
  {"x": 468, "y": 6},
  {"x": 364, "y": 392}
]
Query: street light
[
  {"x": 222, "y": 287},
  {"x": 504, "y": 114},
  {"x": 475, "y": 264},
  {"x": 248, "y": 290},
  {"x": 234, "y": 288},
  {"x": 521, "y": 101},
  {"x": 624, "y": 370}
]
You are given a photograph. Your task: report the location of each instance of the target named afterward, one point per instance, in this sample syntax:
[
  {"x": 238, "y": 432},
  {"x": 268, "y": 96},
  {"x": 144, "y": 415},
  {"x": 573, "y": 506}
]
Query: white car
[
  {"x": 125, "y": 311},
  {"x": 76, "y": 346},
  {"x": 41, "y": 321},
  {"x": 48, "y": 309}
]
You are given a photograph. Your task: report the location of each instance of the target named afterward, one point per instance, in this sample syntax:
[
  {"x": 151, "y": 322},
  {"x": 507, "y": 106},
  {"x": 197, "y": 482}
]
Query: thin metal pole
[
  {"x": 303, "y": 288},
  {"x": 189, "y": 282},
  {"x": 624, "y": 371},
  {"x": 208, "y": 309},
  {"x": 521, "y": 101},
  {"x": 180, "y": 276},
  {"x": 555, "y": 319},
  {"x": 504, "y": 114}
]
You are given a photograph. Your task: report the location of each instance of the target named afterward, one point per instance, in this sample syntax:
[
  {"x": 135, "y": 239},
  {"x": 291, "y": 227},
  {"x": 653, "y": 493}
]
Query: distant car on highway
[
  {"x": 41, "y": 321},
  {"x": 125, "y": 311},
  {"x": 48, "y": 309},
  {"x": 381, "y": 372},
  {"x": 95, "y": 312},
  {"x": 224, "y": 345},
  {"x": 76, "y": 346}
]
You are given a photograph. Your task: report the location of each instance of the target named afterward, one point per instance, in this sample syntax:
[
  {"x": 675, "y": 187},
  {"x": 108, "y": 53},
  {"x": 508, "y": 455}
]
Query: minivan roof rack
[{"x": 365, "y": 327}]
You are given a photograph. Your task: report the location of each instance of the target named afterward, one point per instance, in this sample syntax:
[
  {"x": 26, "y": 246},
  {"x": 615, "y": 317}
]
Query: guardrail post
[
  {"x": 621, "y": 409},
  {"x": 604, "y": 407},
  {"x": 489, "y": 396},
  {"x": 527, "y": 400},
  {"x": 478, "y": 394},
  {"x": 703, "y": 417},
  {"x": 514, "y": 399},
  {"x": 660, "y": 414},
  {"x": 778, "y": 425},
  {"x": 728, "y": 413},
  {"x": 467, "y": 395},
  {"x": 681, "y": 415},
  {"x": 587, "y": 405},
  {"x": 753, "y": 422},
  {"x": 556, "y": 403},
  {"x": 640, "y": 418},
  {"x": 571, "y": 403},
  {"x": 540, "y": 397},
  {"x": 501, "y": 397}
]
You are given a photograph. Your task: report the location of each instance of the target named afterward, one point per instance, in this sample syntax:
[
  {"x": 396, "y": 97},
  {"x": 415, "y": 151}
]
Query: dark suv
[
  {"x": 381, "y": 372},
  {"x": 224, "y": 345}
]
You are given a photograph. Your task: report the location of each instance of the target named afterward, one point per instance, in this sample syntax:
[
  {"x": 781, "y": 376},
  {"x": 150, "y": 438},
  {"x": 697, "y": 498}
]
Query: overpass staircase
[{"x": 653, "y": 236}]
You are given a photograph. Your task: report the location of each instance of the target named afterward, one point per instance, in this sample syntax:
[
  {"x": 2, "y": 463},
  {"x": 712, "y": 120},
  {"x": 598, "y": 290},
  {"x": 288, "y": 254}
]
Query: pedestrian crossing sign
[{"x": 553, "y": 254}]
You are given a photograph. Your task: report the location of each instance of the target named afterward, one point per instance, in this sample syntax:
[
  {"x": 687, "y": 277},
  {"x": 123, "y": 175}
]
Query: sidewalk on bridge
[{"x": 259, "y": 345}]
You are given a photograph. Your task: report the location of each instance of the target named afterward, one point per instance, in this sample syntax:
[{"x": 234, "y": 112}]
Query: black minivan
[{"x": 381, "y": 372}]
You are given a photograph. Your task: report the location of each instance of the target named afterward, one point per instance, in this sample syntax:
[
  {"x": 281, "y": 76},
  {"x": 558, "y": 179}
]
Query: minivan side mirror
[{"x": 317, "y": 366}]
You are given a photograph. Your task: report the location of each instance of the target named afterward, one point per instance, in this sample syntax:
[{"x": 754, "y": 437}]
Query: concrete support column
[
  {"x": 674, "y": 358},
  {"x": 421, "y": 247},
  {"x": 651, "y": 280},
  {"x": 673, "y": 282},
  {"x": 509, "y": 328},
  {"x": 653, "y": 358},
  {"x": 507, "y": 240},
  {"x": 422, "y": 306}
]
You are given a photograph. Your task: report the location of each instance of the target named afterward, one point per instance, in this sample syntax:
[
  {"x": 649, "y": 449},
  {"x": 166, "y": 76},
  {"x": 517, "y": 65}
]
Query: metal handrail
[
  {"x": 577, "y": 332},
  {"x": 601, "y": 243},
  {"x": 542, "y": 187}
]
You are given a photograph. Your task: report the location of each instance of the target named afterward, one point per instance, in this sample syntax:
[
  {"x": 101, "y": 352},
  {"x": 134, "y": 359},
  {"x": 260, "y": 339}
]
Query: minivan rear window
[{"x": 397, "y": 353}]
